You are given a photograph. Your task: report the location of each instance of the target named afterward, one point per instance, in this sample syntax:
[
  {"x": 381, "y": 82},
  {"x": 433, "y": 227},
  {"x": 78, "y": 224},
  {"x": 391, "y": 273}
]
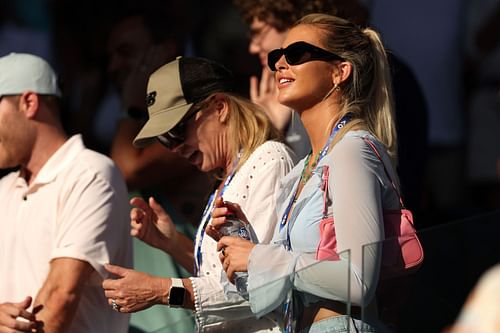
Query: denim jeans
[{"x": 339, "y": 324}]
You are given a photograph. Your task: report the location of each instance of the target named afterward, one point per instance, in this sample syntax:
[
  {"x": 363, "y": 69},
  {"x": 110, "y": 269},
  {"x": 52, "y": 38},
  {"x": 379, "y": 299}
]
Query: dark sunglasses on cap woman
[
  {"x": 177, "y": 135},
  {"x": 298, "y": 53}
]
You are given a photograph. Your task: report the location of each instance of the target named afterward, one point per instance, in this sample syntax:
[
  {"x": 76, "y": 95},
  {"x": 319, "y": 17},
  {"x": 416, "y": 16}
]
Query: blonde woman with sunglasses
[{"x": 335, "y": 75}]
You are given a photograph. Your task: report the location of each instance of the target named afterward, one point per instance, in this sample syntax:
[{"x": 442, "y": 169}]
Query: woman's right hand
[
  {"x": 219, "y": 214},
  {"x": 152, "y": 225}
]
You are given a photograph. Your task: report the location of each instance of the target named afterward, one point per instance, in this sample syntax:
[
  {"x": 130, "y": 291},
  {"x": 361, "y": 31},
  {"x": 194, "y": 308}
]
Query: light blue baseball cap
[{"x": 20, "y": 72}]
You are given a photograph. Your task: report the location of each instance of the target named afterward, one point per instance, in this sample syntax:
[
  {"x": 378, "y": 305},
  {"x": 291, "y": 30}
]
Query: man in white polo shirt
[{"x": 64, "y": 213}]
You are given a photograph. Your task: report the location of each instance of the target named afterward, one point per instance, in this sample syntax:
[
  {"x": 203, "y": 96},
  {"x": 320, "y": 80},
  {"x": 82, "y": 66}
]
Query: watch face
[{"x": 176, "y": 296}]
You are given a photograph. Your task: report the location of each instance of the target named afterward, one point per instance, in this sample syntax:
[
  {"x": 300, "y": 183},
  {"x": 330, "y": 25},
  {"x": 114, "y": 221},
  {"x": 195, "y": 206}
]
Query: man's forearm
[
  {"x": 59, "y": 296},
  {"x": 58, "y": 308}
]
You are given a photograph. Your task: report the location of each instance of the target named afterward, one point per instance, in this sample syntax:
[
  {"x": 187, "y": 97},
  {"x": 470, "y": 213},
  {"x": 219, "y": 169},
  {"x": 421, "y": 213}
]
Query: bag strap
[
  {"x": 324, "y": 187},
  {"x": 370, "y": 143}
]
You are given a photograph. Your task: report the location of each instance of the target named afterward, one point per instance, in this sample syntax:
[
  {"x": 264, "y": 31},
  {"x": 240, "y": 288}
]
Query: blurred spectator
[{"x": 481, "y": 311}]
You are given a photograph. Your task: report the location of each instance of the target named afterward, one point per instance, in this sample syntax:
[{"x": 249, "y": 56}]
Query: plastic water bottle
[{"x": 236, "y": 227}]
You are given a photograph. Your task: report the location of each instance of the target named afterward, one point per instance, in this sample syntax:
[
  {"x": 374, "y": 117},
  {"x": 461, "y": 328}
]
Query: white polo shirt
[{"x": 77, "y": 207}]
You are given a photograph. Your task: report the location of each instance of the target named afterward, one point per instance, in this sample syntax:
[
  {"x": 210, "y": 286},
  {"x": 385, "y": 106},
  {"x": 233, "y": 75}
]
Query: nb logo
[{"x": 151, "y": 98}]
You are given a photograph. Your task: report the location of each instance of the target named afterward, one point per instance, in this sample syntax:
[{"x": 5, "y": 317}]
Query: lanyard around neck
[
  {"x": 345, "y": 119},
  {"x": 207, "y": 213}
]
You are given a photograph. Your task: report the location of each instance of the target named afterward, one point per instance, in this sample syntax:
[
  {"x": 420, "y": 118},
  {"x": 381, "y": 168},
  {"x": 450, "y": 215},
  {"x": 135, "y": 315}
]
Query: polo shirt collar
[{"x": 63, "y": 157}]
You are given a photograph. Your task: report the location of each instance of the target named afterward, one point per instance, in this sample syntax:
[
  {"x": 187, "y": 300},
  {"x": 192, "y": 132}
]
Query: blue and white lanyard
[
  {"x": 207, "y": 215},
  {"x": 345, "y": 119}
]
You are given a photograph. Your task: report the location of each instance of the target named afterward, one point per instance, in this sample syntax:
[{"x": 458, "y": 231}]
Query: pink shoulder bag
[{"x": 402, "y": 252}]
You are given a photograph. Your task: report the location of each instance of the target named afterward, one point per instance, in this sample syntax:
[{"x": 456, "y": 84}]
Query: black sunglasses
[
  {"x": 177, "y": 135},
  {"x": 299, "y": 53}
]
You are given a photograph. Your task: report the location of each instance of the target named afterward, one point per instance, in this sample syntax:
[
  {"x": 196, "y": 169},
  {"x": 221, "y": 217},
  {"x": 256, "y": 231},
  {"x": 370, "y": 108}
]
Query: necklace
[{"x": 304, "y": 176}]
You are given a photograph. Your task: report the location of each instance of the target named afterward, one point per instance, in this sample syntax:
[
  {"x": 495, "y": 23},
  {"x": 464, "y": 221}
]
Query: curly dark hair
[{"x": 282, "y": 14}]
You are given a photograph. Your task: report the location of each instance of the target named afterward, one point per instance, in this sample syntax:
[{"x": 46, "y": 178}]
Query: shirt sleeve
[
  {"x": 213, "y": 305},
  {"x": 93, "y": 221},
  {"x": 357, "y": 184},
  {"x": 270, "y": 283},
  {"x": 356, "y": 193}
]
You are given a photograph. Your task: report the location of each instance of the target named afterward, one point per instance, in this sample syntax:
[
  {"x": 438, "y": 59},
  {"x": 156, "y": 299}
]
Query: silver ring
[{"x": 115, "y": 306}]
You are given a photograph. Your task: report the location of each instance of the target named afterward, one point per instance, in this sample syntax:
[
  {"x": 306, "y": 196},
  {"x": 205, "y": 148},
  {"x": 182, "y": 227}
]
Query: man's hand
[{"x": 12, "y": 315}]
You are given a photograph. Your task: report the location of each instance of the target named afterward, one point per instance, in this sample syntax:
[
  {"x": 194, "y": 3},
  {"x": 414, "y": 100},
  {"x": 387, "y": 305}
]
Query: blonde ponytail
[{"x": 381, "y": 118}]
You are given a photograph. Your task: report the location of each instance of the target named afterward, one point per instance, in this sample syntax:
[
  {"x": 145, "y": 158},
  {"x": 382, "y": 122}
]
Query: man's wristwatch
[{"x": 176, "y": 293}]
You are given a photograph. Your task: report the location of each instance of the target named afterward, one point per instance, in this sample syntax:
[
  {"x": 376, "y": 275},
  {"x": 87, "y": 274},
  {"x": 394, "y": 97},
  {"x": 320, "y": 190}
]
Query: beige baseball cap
[{"x": 174, "y": 88}]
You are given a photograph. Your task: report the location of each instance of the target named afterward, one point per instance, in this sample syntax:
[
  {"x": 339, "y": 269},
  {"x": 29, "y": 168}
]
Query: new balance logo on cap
[{"x": 151, "y": 98}]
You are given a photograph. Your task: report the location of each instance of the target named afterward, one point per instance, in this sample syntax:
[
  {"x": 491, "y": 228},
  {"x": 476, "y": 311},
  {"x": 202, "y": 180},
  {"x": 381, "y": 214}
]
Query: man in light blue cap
[
  {"x": 22, "y": 71},
  {"x": 64, "y": 212}
]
